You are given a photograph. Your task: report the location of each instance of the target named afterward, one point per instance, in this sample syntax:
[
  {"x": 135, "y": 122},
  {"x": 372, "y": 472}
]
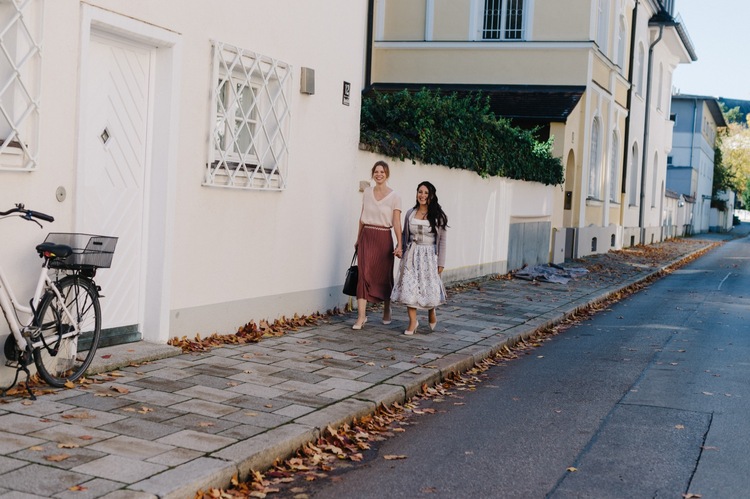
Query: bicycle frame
[{"x": 11, "y": 308}]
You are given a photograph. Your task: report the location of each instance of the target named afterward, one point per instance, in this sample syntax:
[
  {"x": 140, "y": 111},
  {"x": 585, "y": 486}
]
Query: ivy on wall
[{"x": 457, "y": 132}]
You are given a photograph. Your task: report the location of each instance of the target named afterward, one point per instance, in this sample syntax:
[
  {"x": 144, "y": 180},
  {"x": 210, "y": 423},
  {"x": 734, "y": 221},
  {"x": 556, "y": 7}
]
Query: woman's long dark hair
[{"x": 435, "y": 213}]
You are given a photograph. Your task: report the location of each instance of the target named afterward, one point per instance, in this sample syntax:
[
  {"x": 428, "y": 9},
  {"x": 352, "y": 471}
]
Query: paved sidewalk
[{"x": 166, "y": 424}]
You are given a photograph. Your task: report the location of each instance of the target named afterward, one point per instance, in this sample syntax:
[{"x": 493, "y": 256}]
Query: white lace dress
[{"x": 418, "y": 284}]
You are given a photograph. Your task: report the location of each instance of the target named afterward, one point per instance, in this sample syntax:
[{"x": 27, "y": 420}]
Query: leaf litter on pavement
[{"x": 340, "y": 447}]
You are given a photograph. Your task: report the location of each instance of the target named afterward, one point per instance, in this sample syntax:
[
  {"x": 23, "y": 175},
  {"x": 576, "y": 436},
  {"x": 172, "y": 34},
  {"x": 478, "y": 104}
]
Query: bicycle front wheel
[{"x": 59, "y": 354}]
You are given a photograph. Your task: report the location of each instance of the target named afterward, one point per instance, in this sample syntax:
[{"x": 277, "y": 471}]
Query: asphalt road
[{"x": 650, "y": 398}]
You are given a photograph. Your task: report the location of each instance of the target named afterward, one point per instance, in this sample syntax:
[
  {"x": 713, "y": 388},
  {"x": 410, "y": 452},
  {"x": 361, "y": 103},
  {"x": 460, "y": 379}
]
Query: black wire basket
[{"x": 89, "y": 251}]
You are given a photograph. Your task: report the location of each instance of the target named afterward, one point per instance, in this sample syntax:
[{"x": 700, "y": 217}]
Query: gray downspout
[
  {"x": 368, "y": 49},
  {"x": 692, "y": 135},
  {"x": 626, "y": 141},
  {"x": 692, "y": 144},
  {"x": 642, "y": 211}
]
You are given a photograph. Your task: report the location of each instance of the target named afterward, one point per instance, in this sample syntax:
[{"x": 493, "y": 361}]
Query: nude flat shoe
[{"x": 359, "y": 326}]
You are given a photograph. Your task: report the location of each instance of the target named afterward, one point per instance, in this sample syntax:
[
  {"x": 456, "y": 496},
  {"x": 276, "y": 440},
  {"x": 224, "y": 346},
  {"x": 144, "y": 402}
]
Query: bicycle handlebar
[{"x": 28, "y": 214}]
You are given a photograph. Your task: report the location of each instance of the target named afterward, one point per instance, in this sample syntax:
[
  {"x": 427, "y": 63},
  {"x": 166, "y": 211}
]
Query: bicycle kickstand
[
  {"x": 28, "y": 381},
  {"x": 21, "y": 367}
]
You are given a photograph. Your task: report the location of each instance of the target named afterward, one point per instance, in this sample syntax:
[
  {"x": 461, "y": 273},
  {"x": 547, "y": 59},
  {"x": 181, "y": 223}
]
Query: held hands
[{"x": 397, "y": 252}]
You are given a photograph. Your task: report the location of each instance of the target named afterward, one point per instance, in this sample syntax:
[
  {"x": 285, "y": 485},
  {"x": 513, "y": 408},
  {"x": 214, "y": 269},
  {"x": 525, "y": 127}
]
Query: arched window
[
  {"x": 621, "y": 39},
  {"x": 595, "y": 161},
  {"x": 654, "y": 179},
  {"x": 602, "y": 25},
  {"x": 639, "y": 69},
  {"x": 613, "y": 167},
  {"x": 633, "y": 197},
  {"x": 660, "y": 88}
]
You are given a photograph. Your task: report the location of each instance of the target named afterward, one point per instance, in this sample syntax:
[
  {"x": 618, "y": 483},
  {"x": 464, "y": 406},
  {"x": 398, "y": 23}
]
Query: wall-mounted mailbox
[{"x": 307, "y": 81}]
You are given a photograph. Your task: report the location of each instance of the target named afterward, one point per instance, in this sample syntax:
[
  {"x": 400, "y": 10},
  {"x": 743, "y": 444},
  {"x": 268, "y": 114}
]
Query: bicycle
[{"x": 63, "y": 330}]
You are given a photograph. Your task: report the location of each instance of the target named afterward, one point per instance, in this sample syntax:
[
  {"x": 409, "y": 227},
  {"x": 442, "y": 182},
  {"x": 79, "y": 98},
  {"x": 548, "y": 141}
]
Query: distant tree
[
  {"x": 735, "y": 111},
  {"x": 733, "y": 160},
  {"x": 726, "y": 177},
  {"x": 733, "y": 115}
]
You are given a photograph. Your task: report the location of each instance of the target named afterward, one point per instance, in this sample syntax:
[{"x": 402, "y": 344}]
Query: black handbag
[{"x": 352, "y": 275}]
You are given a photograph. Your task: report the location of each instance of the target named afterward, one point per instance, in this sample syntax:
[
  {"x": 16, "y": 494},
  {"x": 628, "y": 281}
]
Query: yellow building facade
[{"x": 613, "y": 58}]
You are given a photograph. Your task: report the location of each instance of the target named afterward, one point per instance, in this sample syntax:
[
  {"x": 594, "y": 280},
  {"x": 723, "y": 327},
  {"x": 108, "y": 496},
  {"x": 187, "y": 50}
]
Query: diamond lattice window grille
[
  {"x": 20, "y": 77},
  {"x": 249, "y": 142}
]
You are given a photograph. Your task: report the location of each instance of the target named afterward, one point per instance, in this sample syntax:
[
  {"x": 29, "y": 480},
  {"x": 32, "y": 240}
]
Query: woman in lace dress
[{"x": 419, "y": 285}]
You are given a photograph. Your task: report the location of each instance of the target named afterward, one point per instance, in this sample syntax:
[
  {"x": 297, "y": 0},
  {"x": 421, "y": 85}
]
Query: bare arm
[
  {"x": 359, "y": 228},
  {"x": 397, "y": 227}
]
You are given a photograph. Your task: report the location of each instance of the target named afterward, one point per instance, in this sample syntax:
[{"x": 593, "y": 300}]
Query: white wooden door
[{"x": 113, "y": 169}]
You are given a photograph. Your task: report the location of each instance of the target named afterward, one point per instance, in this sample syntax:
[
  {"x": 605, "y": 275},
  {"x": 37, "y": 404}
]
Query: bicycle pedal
[{"x": 31, "y": 332}]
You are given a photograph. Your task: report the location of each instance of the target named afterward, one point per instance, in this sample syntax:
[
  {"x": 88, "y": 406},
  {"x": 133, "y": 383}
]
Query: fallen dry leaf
[
  {"x": 78, "y": 415},
  {"x": 392, "y": 457},
  {"x": 57, "y": 457}
]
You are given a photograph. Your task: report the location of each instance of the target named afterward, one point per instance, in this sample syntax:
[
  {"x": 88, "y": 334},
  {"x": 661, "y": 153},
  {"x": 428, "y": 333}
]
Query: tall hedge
[{"x": 457, "y": 132}]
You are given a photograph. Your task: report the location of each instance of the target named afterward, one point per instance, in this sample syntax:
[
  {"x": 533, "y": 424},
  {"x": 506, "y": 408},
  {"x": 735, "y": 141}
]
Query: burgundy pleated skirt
[{"x": 375, "y": 261}]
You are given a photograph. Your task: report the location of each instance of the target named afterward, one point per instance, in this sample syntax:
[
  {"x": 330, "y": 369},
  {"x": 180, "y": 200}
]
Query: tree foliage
[
  {"x": 735, "y": 111},
  {"x": 457, "y": 132},
  {"x": 726, "y": 178},
  {"x": 733, "y": 161}
]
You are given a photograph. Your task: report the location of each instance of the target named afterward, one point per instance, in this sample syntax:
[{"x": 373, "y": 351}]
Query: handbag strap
[{"x": 354, "y": 258}]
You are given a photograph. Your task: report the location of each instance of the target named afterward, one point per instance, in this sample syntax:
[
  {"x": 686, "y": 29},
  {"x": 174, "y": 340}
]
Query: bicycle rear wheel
[{"x": 60, "y": 359}]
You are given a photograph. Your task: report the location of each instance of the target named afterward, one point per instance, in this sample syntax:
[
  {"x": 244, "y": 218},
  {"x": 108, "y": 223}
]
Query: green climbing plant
[{"x": 457, "y": 132}]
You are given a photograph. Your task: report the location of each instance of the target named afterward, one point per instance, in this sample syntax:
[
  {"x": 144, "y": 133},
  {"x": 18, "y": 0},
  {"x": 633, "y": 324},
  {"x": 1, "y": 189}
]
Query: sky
[{"x": 718, "y": 30}]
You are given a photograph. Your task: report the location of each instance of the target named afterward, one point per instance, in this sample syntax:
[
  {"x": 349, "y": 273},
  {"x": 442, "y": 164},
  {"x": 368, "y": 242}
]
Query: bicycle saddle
[{"x": 52, "y": 250}]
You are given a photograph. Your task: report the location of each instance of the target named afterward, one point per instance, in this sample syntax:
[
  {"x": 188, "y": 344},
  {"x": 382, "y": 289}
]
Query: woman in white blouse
[{"x": 380, "y": 218}]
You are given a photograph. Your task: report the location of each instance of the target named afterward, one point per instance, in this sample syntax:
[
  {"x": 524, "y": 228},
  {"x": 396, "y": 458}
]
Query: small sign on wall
[{"x": 346, "y": 93}]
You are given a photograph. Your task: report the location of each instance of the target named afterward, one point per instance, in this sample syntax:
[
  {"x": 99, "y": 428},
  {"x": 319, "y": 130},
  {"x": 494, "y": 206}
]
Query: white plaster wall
[
  {"x": 479, "y": 212},
  {"x": 228, "y": 245}
]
